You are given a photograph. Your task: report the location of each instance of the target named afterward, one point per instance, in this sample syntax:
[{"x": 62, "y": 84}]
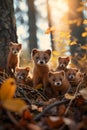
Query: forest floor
[{"x": 66, "y": 112}]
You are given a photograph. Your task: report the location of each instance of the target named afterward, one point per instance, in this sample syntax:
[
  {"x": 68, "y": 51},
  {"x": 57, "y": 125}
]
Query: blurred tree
[
  {"x": 76, "y": 26},
  {"x": 7, "y": 29},
  {"x": 32, "y": 25},
  {"x": 49, "y": 23}
]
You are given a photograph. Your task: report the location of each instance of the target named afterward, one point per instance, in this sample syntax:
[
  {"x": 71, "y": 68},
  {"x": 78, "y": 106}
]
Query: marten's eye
[
  {"x": 37, "y": 57},
  {"x": 54, "y": 80},
  {"x": 23, "y": 74},
  {"x": 45, "y": 58},
  {"x": 17, "y": 49},
  {"x": 60, "y": 79}
]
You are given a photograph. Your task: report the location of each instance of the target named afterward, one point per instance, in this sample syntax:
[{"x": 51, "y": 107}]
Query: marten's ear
[
  {"x": 17, "y": 69},
  {"x": 48, "y": 52},
  {"x": 63, "y": 73},
  {"x": 50, "y": 73},
  {"x": 10, "y": 44},
  {"x": 27, "y": 68},
  {"x": 59, "y": 58},
  {"x": 76, "y": 69},
  {"x": 68, "y": 58},
  {"x": 34, "y": 51},
  {"x": 20, "y": 46}
]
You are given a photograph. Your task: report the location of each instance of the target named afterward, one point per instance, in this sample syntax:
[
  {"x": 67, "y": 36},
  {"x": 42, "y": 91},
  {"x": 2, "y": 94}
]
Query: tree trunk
[
  {"x": 76, "y": 30},
  {"x": 32, "y": 25},
  {"x": 7, "y": 29},
  {"x": 50, "y": 24}
]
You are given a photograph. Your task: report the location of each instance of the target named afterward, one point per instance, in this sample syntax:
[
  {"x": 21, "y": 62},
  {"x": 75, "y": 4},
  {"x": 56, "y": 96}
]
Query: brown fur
[
  {"x": 41, "y": 69},
  {"x": 73, "y": 76},
  {"x": 13, "y": 57},
  {"x": 58, "y": 84},
  {"x": 63, "y": 63}
]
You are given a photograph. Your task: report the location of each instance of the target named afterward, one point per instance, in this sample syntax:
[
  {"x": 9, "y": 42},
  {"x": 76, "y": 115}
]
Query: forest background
[{"x": 60, "y": 25}]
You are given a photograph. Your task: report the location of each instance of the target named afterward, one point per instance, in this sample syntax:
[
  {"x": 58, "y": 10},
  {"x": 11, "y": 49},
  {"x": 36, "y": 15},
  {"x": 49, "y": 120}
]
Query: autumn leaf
[
  {"x": 84, "y": 47},
  {"x": 84, "y": 34},
  {"x": 69, "y": 96},
  {"x": 55, "y": 53},
  {"x": 83, "y": 92},
  {"x": 73, "y": 43},
  {"x": 39, "y": 86},
  {"x": 15, "y": 104},
  {"x": 80, "y": 9},
  {"x": 27, "y": 115},
  {"x": 8, "y": 88},
  {"x": 85, "y": 21},
  {"x": 51, "y": 29},
  {"x": 54, "y": 122},
  {"x": 7, "y": 92}
]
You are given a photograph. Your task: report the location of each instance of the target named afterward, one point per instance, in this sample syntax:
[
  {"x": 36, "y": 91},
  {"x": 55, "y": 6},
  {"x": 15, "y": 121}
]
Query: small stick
[{"x": 49, "y": 107}]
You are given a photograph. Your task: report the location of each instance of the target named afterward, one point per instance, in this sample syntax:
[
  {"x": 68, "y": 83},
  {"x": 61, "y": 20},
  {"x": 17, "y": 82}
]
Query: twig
[
  {"x": 13, "y": 120},
  {"x": 73, "y": 98},
  {"x": 49, "y": 107}
]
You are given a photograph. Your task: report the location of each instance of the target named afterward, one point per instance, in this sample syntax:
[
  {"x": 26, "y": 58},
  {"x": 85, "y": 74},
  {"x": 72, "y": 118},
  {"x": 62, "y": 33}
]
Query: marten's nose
[{"x": 41, "y": 62}]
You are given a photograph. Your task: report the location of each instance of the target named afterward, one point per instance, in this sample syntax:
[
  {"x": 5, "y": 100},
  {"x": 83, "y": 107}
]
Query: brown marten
[
  {"x": 62, "y": 63},
  {"x": 41, "y": 69},
  {"x": 13, "y": 57},
  {"x": 58, "y": 84}
]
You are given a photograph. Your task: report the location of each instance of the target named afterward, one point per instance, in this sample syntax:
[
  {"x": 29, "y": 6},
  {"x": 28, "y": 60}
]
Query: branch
[
  {"x": 48, "y": 108},
  {"x": 76, "y": 92}
]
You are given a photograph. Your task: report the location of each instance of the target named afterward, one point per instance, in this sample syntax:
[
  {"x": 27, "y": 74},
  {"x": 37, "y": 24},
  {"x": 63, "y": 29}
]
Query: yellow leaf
[
  {"x": 55, "y": 53},
  {"x": 84, "y": 47},
  {"x": 8, "y": 88},
  {"x": 39, "y": 86},
  {"x": 15, "y": 105},
  {"x": 68, "y": 96},
  {"x": 85, "y": 21},
  {"x": 80, "y": 9},
  {"x": 84, "y": 34},
  {"x": 72, "y": 43},
  {"x": 83, "y": 92},
  {"x": 51, "y": 29}
]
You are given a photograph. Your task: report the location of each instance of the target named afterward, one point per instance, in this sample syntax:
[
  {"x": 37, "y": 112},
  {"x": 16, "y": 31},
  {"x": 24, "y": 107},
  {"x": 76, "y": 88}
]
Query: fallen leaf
[
  {"x": 55, "y": 122},
  {"x": 51, "y": 29},
  {"x": 84, "y": 47},
  {"x": 83, "y": 92},
  {"x": 84, "y": 34},
  {"x": 15, "y": 104},
  {"x": 69, "y": 96},
  {"x": 27, "y": 115},
  {"x": 8, "y": 88}
]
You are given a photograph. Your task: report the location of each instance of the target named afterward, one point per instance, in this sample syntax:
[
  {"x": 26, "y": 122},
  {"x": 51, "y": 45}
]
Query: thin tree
[
  {"x": 77, "y": 28},
  {"x": 50, "y": 23},
  {"x": 7, "y": 29},
  {"x": 32, "y": 25}
]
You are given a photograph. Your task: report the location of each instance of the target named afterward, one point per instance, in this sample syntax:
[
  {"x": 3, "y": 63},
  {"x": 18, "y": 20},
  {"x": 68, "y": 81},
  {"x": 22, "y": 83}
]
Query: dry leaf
[
  {"x": 83, "y": 92},
  {"x": 73, "y": 43},
  {"x": 8, "y": 88},
  {"x": 51, "y": 29},
  {"x": 39, "y": 86},
  {"x": 84, "y": 34},
  {"x": 55, "y": 122},
  {"x": 27, "y": 115},
  {"x": 55, "y": 53},
  {"x": 32, "y": 126},
  {"x": 80, "y": 9},
  {"x": 15, "y": 104},
  {"x": 85, "y": 21},
  {"x": 68, "y": 96},
  {"x": 84, "y": 47}
]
